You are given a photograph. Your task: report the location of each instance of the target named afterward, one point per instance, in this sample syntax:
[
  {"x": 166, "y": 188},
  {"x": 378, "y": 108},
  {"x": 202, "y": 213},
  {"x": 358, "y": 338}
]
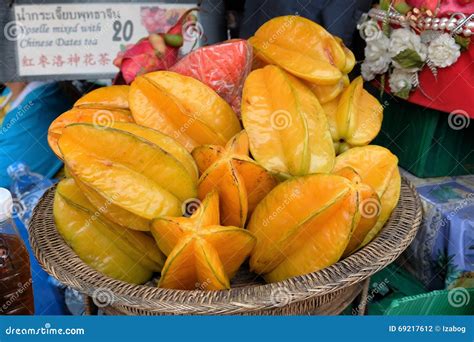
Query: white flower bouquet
[{"x": 404, "y": 49}]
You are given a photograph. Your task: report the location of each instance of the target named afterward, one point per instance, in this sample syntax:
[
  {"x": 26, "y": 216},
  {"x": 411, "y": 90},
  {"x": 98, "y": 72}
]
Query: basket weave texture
[{"x": 325, "y": 292}]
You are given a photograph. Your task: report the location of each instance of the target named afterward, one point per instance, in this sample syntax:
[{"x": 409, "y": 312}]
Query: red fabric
[{"x": 452, "y": 90}]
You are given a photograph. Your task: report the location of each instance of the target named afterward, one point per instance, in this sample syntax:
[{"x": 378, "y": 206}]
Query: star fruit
[
  {"x": 102, "y": 106},
  {"x": 355, "y": 117},
  {"x": 303, "y": 48},
  {"x": 201, "y": 254},
  {"x": 183, "y": 108},
  {"x": 286, "y": 125},
  {"x": 378, "y": 168},
  {"x": 303, "y": 225},
  {"x": 369, "y": 208},
  {"x": 240, "y": 181},
  {"x": 117, "y": 252},
  {"x": 131, "y": 173}
]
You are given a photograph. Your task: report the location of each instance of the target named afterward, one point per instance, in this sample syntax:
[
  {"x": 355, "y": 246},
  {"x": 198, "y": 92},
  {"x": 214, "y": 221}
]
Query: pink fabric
[{"x": 447, "y": 7}]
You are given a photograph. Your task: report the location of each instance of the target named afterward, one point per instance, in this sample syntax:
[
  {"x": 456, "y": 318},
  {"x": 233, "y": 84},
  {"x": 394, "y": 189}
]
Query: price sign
[{"x": 77, "y": 39}]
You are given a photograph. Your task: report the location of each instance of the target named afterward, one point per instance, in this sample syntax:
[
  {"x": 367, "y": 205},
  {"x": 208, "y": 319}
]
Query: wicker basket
[{"x": 325, "y": 292}]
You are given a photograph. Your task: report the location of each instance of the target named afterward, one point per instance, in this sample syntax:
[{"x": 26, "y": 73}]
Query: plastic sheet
[
  {"x": 442, "y": 254},
  {"x": 223, "y": 67}
]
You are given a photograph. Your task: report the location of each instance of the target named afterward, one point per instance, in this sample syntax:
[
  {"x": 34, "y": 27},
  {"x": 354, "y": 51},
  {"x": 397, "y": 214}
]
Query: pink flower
[{"x": 156, "y": 19}]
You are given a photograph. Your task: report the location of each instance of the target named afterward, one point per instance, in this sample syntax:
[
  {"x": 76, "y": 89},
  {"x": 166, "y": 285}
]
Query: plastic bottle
[
  {"x": 27, "y": 188},
  {"x": 16, "y": 287}
]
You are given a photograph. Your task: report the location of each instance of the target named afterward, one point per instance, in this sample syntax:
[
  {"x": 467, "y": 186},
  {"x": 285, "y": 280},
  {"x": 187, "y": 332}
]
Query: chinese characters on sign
[{"x": 72, "y": 60}]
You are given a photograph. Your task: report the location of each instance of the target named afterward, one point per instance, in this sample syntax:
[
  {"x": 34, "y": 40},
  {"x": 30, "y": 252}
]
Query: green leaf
[
  {"x": 174, "y": 40},
  {"x": 384, "y": 4},
  {"x": 409, "y": 59},
  {"x": 404, "y": 93},
  {"x": 462, "y": 41},
  {"x": 402, "y": 7}
]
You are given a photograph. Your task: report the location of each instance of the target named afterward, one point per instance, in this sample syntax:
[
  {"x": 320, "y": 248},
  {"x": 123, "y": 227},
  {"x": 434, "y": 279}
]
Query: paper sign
[{"x": 74, "y": 39}]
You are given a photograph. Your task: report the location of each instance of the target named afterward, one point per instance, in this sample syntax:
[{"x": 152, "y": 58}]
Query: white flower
[
  {"x": 400, "y": 80},
  {"x": 443, "y": 51},
  {"x": 367, "y": 73},
  {"x": 377, "y": 59},
  {"x": 371, "y": 68},
  {"x": 377, "y": 48},
  {"x": 370, "y": 30},
  {"x": 380, "y": 65},
  {"x": 402, "y": 39}
]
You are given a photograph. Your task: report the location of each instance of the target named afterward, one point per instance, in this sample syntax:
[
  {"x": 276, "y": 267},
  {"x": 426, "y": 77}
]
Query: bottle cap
[{"x": 6, "y": 204}]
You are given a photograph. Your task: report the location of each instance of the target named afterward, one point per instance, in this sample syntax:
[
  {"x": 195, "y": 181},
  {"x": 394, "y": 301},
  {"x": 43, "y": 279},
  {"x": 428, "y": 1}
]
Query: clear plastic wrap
[{"x": 223, "y": 67}]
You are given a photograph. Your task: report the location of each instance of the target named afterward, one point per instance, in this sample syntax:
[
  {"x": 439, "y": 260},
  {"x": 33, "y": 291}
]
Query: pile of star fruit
[{"x": 252, "y": 149}]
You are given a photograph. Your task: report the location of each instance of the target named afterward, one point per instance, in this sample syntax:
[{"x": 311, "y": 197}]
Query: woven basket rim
[{"x": 60, "y": 261}]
